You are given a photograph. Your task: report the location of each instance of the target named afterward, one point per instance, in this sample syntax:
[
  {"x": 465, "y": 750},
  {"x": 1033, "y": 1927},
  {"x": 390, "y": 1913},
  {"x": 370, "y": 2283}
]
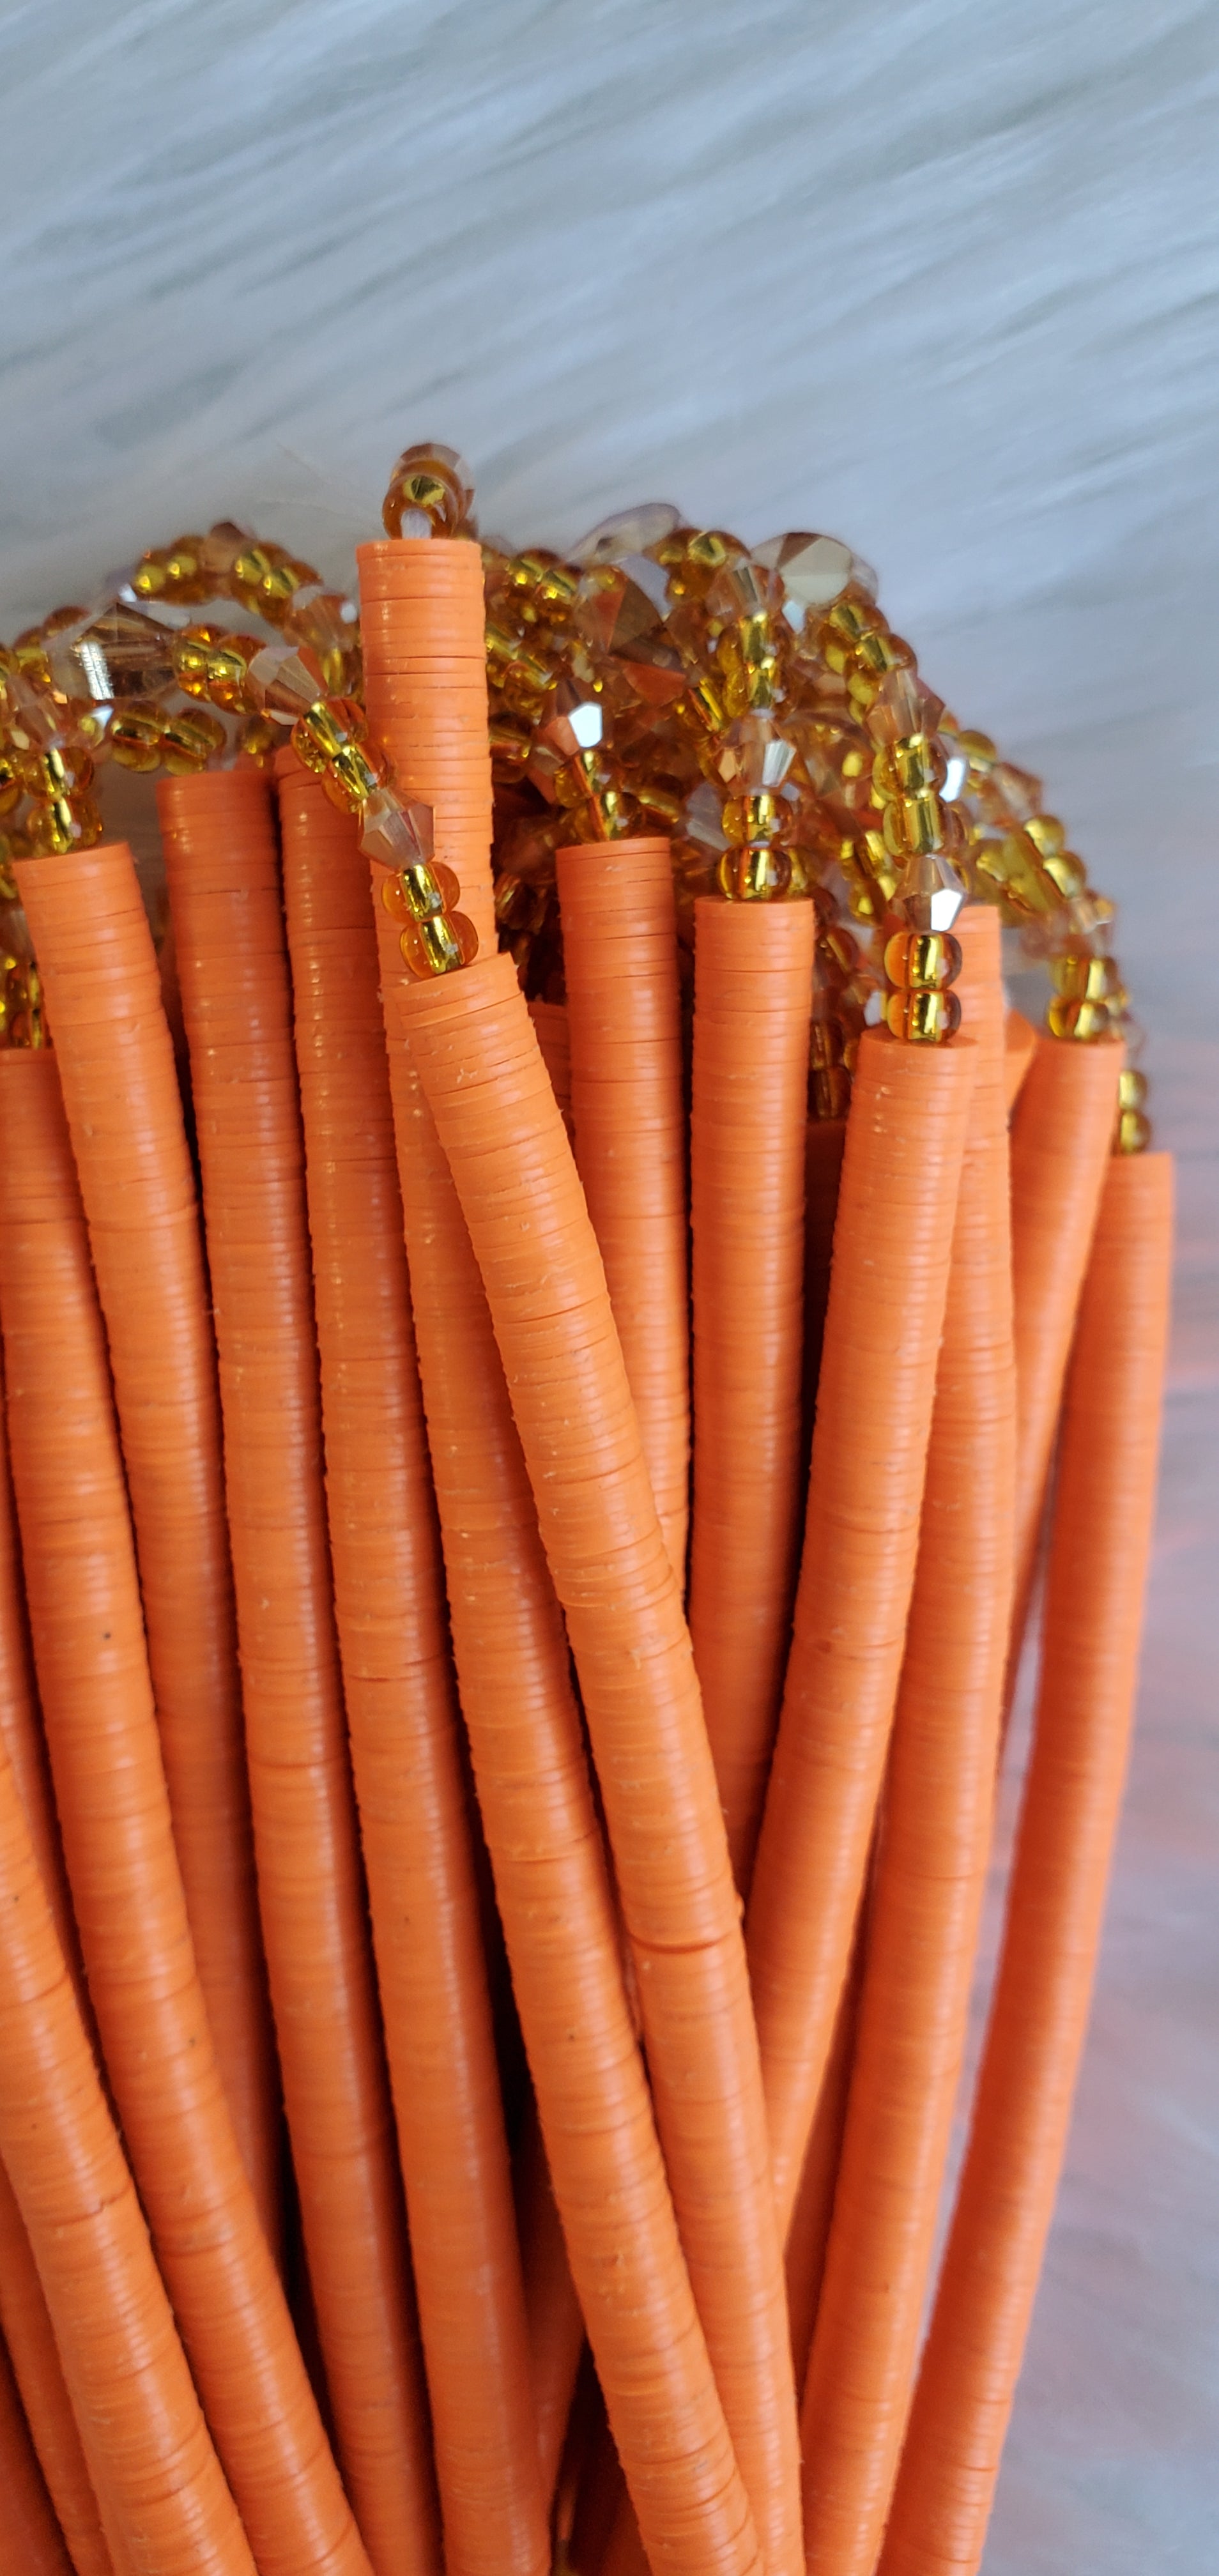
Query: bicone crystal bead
[
  {"x": 929, "y": 892},
  {"x": 285, "y": 681},
  {"x": 396, "y": 831},
  {"x": 627, "y": 532},
  {"x": 814, "y": 571},
  {"x": 902, "y": 706},
  {"x": 109, "y": 659}
]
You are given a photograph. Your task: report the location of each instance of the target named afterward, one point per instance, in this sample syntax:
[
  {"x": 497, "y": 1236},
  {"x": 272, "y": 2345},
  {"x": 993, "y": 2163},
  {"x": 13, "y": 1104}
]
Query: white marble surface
[{"x": 940, "y": 275}]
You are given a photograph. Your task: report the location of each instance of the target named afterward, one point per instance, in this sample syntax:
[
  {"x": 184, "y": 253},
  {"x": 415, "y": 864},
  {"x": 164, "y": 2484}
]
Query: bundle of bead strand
[{"x": 547, "y": 1333}]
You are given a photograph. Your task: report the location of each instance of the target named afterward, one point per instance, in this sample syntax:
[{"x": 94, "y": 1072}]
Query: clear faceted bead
[
  {"x": 108, "y": 659},
  {"x": 902, "y": 706},
  {"x": 814, "y": 570},
  {"x": 396, "y": 832},
  {"x": 929, "y": 892},
  {"x": 627, "y": 532},
  {"x": 285, "y": 682}
]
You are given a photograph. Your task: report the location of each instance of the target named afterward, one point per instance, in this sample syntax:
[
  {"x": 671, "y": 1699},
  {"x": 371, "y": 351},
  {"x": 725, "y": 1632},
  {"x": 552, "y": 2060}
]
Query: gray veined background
[{"x": 941, "y": 276}]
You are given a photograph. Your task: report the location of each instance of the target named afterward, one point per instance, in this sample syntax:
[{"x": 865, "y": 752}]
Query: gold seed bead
[
  {"x": 189, "y": 740},
  {"x": 758, "y": 874},
  {"x": 1068, "y": 1017},
  {"x": 923, "y": 1017},
  {"x": 134, "y": 736},
  {"x": 913, "y": 824},
  {"x": 926, "y": 960},
  {"x": 1083, "y": 977},
  {"x": 1133, "y": 1132}
]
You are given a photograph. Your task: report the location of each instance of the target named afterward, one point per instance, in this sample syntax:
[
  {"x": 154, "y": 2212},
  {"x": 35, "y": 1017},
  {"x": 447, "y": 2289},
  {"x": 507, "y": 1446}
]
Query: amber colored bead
[
  {"x": 133, "y": 737},
  {"x": 190, "y": 650},
  {"x": 1070, "y": 1017},
  {"x": 227, "y": 670},
  {"x": 431, "y": 483},
  {"x": 11, "y": 789},
  {"x": 417, "y": 893},
  {"x": 1047, "y": 834},
  {"x": 259, "y": 740},
  {"x": 830, "y": 1091},
  {"x": 328, "y": 727},
  {"x": 1131, "y": 1087},
  {"x": 55, "y": 770},
  {"x": 510, "y": 746},
  {"x": 924, "y": 1017},
  {"x": 750, "y": 818},
  {"x": 63, "y": 823},
  {"x": 354, "y": 775},
  {"x": 1133, "y": 1132},
  {"x": 1067, "y": 872},
  {"x": 439, "y": 945},
  {"x": 837, "y": 950},
  {"x": 927, "y": 960},
  {"x": 825, "y": 1044},
  {"x": 758, "y": 874},
  {"x": 913, "y": 824},
  {"x": 190, "y": 739},
  {"x": 1083, "y": 977}
]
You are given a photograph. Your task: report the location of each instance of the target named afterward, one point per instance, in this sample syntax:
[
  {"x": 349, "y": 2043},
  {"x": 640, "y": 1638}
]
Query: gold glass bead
[
  {"x": 1069, "y": 1017},
  {"x": 190, "y": 739},
  {"x": 227, "y": 670},
  {"x": 11, "y": 788},
  {"x": 758, "y": 874},
  {"x": 190, "y": 649},
  {"x": 825, "y": 1044},
  {"x": 1133, "y": 1132},
  {"x": 431, "y": 492},
  {"x": 53, "y": 770},
  {"x": 439, "y": 945},
  {"x": 63, "y": 823},
  {"x": 1083, "y": 977},
  {"x": 923, "y": 959},
  {"x": 751, "y": 818},
  {"x": 1131, "y": 1087},
  {"x": 328, "y": 727},
  {"x": 1047, "y": 834},
  {"x": 1065, "y": 871},
  {"x": 355, "y": 775},
  {"x": 134, "y": 736},
  {"x": 923, "y": 1018},
  {"x": 259, "y": 740},
  {"x": 420, "y": 891},
  {"x": 913, "y": 824},
  {"x": 829, "y": 1091}
]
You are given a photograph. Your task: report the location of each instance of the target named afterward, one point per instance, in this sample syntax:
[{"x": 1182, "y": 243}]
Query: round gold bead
[
  {"x": 924, "y": 1017},
  {"x": 922, "y": 960}
]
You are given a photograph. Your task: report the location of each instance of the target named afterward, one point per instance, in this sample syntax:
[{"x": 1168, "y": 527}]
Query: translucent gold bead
[
  {"x": 1133, "y": 1132},
  {"x": 759, "y": 874},
  {"x": 227, "y": 670},
  {"x": 1047, "y": 834},
  {"x": 915, "y": 764},
  {"x": 11, "y": 788},
  {"x": 927, "y": 960},
  {"x": 510, "y": 746},
  {"x": 134, "y": 735},
  {"x": 355, "y": 775},
  {"x": 190, "y": 739},
  {"x": 54, "y": 769},
  {"x": 913, "y": 824},
  {"x": 259, "y": 740},
  {"x": 151, "y": 577},
  {"x": 431, "y": 489},
  {"x": 440, "y": 945},
  {"x": 190, "y": 650},
  {"x": 750, "y": 818},
  {"x": 923, "y": 1018},
  {"x": 825, "y": 1045},
  {"x": 418, "y": 893},
  {"x": 325, "y": 729},
  {"x": 1131, "y": 1087},
  {"x": 1066, "y": 871},
  {"x": 837, "y": 950},
  {"x": 1083, "y": 977},
  {"x": 1069, "y": 1017},
  {"x": 63, "y": 823},
  {"x": 830, "y": 1092}
]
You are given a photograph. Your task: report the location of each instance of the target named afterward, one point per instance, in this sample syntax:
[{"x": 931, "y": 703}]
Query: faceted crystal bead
[
  {"x": 576, "y": 730},
  {"x": 756, "y": 754},
  {"x": 325, "y": 622},
  {"x": 396, "y": 831},
  {"x": 115, "y": 657},
  {"x": 814, "y": 570},
  {"x": 622, "y": 615},
  {"x": 285, "y": 683},
  {"x": 627, "y": 532},
  {"x": 929, "y": 892},
  {"x": 902, "y": 706},
  {"x": 702, "y": 812},
  {"x": 744, "y": 589}
]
